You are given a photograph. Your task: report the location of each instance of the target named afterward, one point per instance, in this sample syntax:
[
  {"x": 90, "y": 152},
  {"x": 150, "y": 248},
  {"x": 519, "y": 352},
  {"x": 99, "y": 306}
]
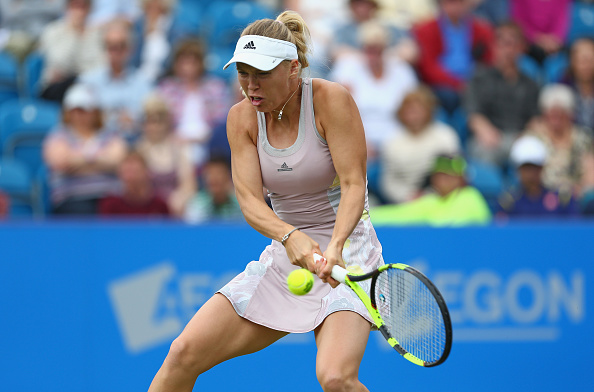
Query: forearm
[
  {"x": 262, "y": 218},
  {"x": 350, "y": 210}
]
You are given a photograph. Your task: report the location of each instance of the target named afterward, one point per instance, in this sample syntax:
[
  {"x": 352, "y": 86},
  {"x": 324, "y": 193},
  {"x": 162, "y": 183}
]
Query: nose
[{"x": 252, "y": 82}]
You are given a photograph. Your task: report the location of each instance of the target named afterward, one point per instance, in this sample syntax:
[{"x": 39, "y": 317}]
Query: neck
[
  {"x": 138, "y": 193},
  {"x": 532, "y": 190},
  {"x": 281, "y": 111}
]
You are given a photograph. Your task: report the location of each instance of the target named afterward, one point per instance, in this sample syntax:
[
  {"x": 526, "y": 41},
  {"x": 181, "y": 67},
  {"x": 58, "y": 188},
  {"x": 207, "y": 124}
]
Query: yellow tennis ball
[{"x": 300, "y": 281}]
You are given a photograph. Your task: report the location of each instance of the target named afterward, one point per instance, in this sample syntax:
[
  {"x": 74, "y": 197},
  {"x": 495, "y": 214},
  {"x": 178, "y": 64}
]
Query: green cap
[{"x": 452, "y": 165}]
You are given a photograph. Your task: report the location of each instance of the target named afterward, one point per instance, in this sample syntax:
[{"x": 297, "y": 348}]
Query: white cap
[
  {"x": 262, "y": 53},
  {"x": 528, "y": 149},
  {"x": 557, "y": 95},
  {"x": 80, "y": 96}
]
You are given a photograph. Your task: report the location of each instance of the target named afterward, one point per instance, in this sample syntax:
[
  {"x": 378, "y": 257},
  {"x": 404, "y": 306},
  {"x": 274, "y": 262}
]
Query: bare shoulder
[
  {"x": 333, "y": 106},
  {"x": 327, "y": 93},
  {"x": 242, "y": 121}
]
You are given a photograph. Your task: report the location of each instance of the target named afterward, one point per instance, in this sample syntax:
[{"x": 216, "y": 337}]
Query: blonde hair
[
  {"x": 424, "y": 96},
  {"x": 155, "y": 103},
  {"x": 288, "y": 26}
]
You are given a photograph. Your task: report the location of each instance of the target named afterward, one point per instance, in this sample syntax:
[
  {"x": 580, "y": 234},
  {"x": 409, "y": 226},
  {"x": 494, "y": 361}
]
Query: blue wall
[{"x": 94, "y": 306}]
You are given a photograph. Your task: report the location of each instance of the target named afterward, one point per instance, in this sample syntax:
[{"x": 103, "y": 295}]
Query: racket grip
[{"x": 338, "y": 273}]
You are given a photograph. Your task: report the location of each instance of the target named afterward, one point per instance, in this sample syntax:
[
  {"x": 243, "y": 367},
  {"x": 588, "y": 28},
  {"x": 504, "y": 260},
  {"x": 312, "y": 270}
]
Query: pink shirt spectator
[{"x": 542, "y": 17}]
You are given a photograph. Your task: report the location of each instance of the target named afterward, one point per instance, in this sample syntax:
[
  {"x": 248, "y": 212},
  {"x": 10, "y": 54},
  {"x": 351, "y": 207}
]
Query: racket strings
[{"x": 411, "y": 314}]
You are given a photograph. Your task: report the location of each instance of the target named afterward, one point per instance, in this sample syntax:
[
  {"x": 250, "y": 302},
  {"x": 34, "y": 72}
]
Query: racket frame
[{"x": 341, "y": 275}]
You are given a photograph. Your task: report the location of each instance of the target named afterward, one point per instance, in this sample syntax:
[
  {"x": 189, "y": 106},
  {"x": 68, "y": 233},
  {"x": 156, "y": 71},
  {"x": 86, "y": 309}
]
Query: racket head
[{"x": 416, "y": 320}]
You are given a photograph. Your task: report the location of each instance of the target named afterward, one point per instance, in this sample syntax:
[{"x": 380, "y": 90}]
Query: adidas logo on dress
[
  {"x": 285, "y": 167},
  {"x": 250, "y": 45}
]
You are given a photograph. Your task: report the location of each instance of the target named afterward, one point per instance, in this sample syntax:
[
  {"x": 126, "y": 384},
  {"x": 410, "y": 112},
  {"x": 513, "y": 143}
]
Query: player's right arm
[{"x": 242, "y": 132}]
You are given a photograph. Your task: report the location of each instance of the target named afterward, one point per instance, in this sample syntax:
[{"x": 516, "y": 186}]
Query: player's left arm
[{"x": 340, "y": 124}]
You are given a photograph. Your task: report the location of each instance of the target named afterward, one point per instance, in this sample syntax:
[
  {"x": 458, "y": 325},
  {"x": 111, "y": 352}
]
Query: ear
[{"x": 295, "y": 68}]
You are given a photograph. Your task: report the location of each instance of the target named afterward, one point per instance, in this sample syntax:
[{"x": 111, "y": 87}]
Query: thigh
[
  {"x": 217, "y": 333},
  {"x": 341, "y": 341}
]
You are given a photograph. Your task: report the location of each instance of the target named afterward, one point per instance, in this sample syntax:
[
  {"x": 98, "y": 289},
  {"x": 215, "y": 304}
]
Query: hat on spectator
[
  {"x": 80, "y": 96},
  {"x": 452, "y": 165},
  {"x": 528, "y": 150},
  {"x": 557, "y": 95}
]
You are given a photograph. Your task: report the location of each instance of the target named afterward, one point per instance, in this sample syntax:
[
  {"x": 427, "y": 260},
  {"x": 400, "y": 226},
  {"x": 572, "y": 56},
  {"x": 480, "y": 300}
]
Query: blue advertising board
[{"x": 93, "y": 306}]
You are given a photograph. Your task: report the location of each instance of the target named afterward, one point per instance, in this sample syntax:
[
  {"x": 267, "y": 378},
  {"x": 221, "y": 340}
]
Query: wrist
[{"x": 286, "y": 236}]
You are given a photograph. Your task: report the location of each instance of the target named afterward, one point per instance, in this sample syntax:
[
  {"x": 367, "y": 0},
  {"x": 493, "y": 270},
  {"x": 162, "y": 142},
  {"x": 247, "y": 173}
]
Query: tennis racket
[{"x": 407, "y": 309}]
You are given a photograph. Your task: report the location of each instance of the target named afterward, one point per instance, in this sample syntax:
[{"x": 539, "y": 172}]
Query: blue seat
[
  {"x": 530, "y": 67},
  {"x": 214, "y": 61},
  {"x": 9, "y": 86},
  {"x": 488, "y": 179},
  {"x": 555, "y": 68},
  {"x": 224, "y": 20},
  {"x": 31, "y": 75},
  {"x": 23, "y": 126},
  {"x": 16, "y": 182},
  {"x": 581, "y": 21}
]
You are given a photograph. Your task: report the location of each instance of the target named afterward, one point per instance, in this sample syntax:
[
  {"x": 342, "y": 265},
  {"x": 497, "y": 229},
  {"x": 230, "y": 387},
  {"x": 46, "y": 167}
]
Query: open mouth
[{"x": 256, "y": 100}]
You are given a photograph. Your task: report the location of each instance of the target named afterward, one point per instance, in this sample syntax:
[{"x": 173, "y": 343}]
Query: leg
[
  {"x": 341, "y": 341},
  {"x": 205, "y": 343}
]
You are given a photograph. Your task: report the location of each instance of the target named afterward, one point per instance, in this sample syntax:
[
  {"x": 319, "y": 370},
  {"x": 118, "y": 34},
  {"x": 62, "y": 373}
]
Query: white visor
[{"x": 262, "y": 53}]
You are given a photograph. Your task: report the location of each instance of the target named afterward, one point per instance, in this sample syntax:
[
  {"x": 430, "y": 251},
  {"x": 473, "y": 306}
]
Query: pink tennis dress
[{"x": 305, "y": 192}]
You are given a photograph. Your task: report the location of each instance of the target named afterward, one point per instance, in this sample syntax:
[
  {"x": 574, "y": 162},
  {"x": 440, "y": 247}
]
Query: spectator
[
  {"x": 121, "y": 88},
  {"x": 4, "y": 205},
  {"x": 81, "y": 156},
  {"x": 323, "y": 17},
  {"x": 137, "y": 197},
  {"x": 569, "y": 167},
  {"x": 168, "y": 160},
  {"x": 153, "y": 37},
  {"x": 496, "y": 12},
  {"x": 407, "y": 159},
  {"x": 500, "y": 100},
  {"x": 347, "y": 36},
  {"x": 107, "y": 11},
  {"x": 23, "y": 22},
  {"x": 581, "y": 79},
  {"x": 545, "y": 24},
  {"x": 454, "y": 203},
  {"x": 377, "y": 83},
  {"x": 451, "y": 46},
  {"x": 69, "y": 47},
  {"x": 216, "y": 201},
  {"x": 406, "y": 13},
  {"x": 198, "y": 102},
  {"x": 531, "y": 198}
]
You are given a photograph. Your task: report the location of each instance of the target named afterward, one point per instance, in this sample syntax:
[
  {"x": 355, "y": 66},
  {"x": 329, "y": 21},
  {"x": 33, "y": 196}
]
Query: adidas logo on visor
[{"x": 250, "y": 45}]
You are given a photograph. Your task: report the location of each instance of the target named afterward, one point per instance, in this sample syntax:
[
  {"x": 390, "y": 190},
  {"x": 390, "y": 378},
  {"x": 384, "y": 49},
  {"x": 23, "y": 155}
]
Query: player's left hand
[{"x": 332, "y": 257}]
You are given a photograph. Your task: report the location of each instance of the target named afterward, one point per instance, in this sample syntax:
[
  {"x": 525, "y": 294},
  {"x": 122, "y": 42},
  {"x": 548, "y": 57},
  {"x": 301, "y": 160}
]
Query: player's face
[{"x": 266, "y": 90}]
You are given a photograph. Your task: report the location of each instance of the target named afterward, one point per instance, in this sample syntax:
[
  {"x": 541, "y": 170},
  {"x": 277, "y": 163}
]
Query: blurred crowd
[{"x": 473, "y": 110}]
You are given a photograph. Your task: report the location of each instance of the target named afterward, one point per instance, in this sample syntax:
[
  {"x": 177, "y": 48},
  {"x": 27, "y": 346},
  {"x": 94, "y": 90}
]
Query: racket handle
[{"x": 338, "y": 273}]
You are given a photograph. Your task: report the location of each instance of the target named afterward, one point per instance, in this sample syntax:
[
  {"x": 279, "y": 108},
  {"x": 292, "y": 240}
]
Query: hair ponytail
[{"x": 288, "y": 26}]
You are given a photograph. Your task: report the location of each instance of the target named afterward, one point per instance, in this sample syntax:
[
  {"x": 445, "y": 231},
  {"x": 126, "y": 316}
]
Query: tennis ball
[{"x": 300, "y": 281}]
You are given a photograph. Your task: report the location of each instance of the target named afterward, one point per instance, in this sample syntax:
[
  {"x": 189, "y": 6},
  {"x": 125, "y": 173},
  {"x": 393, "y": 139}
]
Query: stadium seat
[
  {"x": 31, "y": 75},
  {"x": 187, "y": 18},
  {"x": 488, "y": 179},
  {"x": 214, "y": 61},
  {"x": 582, "y": 21},
  {"x": 8, "y": 77},
  {"x": 555, "y": 67},
  {"x": 17, "y": 183},
  {"x": 23, "y": 126},
  {"x": 224, "y": 20},
  {"x": 530, "y": 68}
]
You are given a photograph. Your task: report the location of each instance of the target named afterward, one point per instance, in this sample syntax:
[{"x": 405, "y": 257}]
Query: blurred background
[{"x": 117, "y": 206}]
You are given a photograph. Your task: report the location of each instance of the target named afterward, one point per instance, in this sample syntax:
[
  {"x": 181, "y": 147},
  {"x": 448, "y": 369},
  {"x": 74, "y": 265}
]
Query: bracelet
[{"x": 286, "y": 236}]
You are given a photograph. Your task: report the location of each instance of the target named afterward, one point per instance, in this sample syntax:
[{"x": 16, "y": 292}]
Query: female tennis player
[{"x": 303, "y": 140}]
